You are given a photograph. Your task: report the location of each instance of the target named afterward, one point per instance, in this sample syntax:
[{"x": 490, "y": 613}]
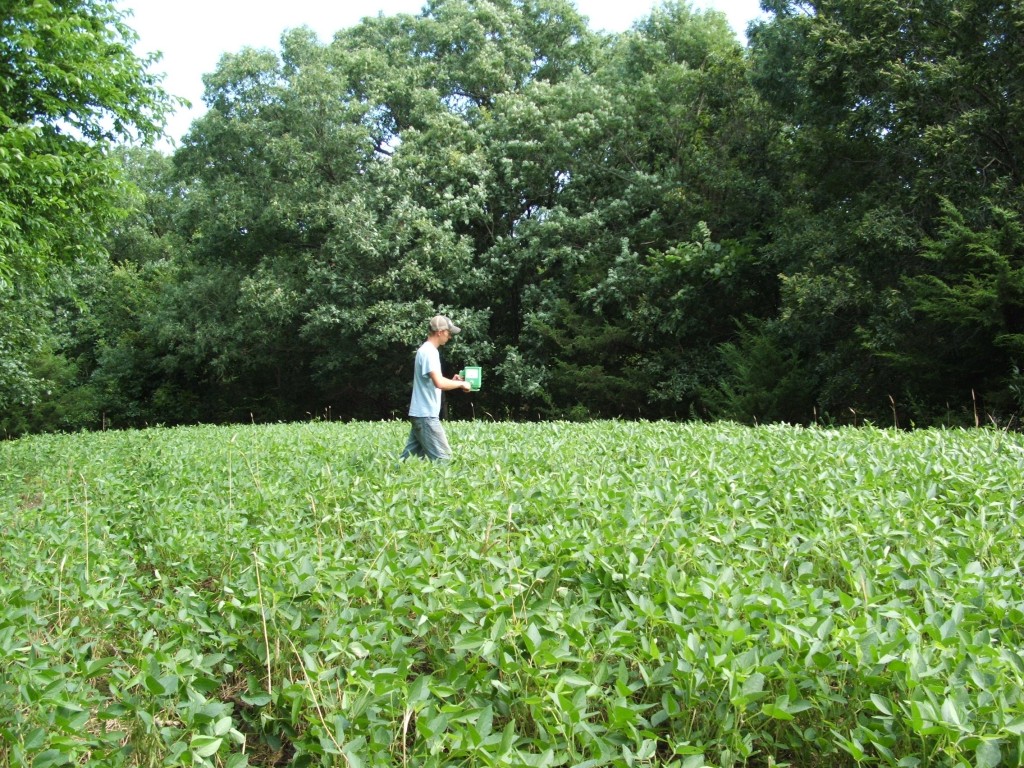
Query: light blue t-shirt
[{"x": 426, "y": 398}]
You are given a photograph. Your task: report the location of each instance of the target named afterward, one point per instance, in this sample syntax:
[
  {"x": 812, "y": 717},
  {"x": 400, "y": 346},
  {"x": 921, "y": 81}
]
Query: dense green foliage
[
  {"x": 898, "y": 250},
  {"x": 70, "y": 88},
  {"x": 614, "y": 593},
  {"x": 824, "y": 225}
]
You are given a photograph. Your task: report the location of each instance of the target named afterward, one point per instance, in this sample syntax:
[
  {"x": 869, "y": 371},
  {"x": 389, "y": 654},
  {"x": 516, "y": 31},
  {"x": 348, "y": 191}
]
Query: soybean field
[{"x": 594, "y": 594}]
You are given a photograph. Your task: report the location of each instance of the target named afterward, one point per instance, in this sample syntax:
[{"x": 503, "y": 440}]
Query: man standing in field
[{"x": 427, "y": 437}]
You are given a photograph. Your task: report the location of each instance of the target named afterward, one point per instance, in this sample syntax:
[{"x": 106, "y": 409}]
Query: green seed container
[{"x": 474, "y": 375}]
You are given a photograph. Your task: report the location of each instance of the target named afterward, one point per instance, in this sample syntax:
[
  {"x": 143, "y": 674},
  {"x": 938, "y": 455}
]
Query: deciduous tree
[{"x": 70, "y": 86}]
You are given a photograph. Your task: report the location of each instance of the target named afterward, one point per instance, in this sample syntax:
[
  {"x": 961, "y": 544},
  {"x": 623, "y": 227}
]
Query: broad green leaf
[
  {"x": 882, "y": 704},
  {"x": 51, "y": 757},
  {"x": 419, "y": 691},
  {"x": 1016, "y": 727},
  {"x": 205, "y": 746},
  {"x": 951, "y": 713},
  {"x": 773, "y": 710},
  {"x": 988, "y": 755},
  {"x": 754, "y": 684}
]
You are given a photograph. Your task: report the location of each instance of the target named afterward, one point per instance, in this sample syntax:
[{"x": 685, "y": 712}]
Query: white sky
[{"x": 193, "y": 34}]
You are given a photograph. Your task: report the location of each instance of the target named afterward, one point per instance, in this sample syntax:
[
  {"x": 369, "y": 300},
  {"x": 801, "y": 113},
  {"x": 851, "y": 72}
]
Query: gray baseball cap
[{"x": 442, "y": 323}]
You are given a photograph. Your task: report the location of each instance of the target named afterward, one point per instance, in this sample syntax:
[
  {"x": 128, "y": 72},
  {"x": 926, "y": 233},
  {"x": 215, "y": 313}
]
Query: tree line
[{"x": 820, "y": 225}]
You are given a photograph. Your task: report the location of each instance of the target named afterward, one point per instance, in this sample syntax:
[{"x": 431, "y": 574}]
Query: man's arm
[{"x": 447, "y": 384}]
